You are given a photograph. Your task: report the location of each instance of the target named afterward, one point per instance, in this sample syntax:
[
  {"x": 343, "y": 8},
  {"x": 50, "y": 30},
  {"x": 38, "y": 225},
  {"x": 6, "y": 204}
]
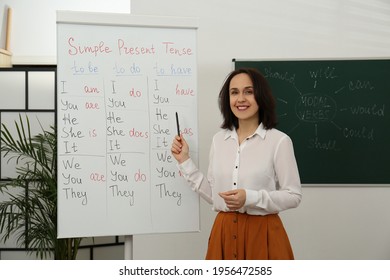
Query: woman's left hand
[{"x": 234, "y": 199}]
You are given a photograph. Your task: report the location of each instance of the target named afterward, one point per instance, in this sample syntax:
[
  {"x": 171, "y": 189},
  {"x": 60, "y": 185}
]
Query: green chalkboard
[{"x": 336, "y": 112}]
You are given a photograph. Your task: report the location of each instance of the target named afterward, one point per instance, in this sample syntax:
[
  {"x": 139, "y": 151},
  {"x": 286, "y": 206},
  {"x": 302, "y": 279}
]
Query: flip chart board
[
  {"x": 336, "y": 112},
  {"x": 120, "y": 81}
]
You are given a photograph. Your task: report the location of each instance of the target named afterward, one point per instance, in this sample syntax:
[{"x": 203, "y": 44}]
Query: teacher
[{"x": 252, "y": 173}]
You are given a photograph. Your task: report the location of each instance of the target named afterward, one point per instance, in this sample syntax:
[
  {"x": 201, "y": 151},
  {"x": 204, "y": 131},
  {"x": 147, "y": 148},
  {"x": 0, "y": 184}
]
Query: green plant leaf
[{"x": 31, "y": 213}]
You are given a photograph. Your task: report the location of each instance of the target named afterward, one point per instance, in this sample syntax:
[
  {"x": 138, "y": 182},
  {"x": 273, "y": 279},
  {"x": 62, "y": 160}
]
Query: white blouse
[{"x": 264, "y": 165}]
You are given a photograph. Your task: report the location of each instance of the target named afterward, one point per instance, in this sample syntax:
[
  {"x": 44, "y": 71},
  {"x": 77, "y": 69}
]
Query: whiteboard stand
[
  {"x": 96, "y": 158},
  {"x": 128, "y": 247}
]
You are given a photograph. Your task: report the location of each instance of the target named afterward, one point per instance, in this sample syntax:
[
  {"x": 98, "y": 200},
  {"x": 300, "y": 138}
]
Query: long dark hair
[{"x": 263, "y": 97}]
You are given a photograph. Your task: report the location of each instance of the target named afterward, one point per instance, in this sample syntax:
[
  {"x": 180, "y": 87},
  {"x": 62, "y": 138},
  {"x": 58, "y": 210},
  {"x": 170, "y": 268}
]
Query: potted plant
[{"x": 30, "y": 212}]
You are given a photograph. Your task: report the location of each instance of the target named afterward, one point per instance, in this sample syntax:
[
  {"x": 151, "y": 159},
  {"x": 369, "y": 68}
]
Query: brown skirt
[{"x": 237, "y": 236}]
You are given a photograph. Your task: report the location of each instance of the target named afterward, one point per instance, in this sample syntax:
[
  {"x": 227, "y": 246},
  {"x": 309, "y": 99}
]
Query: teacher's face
[{"x": 242, "y": 98}]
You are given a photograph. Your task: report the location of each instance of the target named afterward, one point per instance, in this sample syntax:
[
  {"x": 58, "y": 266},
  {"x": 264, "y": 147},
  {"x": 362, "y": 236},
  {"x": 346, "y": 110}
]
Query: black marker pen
[{"x": 177, "y": 124}]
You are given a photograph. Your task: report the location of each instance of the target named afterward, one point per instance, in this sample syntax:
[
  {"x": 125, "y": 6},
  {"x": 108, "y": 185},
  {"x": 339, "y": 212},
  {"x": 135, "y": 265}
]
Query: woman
[{"x": 252, "y": 174}]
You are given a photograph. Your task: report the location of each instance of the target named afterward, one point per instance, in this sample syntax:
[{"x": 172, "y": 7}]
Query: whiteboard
[{"x": 120, "y": 81}]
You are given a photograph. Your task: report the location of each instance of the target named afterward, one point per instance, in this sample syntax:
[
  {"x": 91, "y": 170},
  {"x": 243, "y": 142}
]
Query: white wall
[
  {"x": 33, "y": 27},
  {"x": 333, "y": 222}
]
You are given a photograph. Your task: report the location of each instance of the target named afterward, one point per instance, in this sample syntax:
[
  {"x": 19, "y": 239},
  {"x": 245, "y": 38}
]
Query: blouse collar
[{"x": 261, "y": 131}]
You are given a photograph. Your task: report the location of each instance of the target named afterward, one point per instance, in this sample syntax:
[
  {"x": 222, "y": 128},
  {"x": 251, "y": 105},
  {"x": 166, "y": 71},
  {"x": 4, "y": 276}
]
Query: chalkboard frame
[{"x": 260, "y": 65}]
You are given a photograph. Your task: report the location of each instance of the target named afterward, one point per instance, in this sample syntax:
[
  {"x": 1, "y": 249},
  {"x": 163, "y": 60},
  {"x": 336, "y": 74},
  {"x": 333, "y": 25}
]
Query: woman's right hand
[{"x": 180, "y": 149}]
